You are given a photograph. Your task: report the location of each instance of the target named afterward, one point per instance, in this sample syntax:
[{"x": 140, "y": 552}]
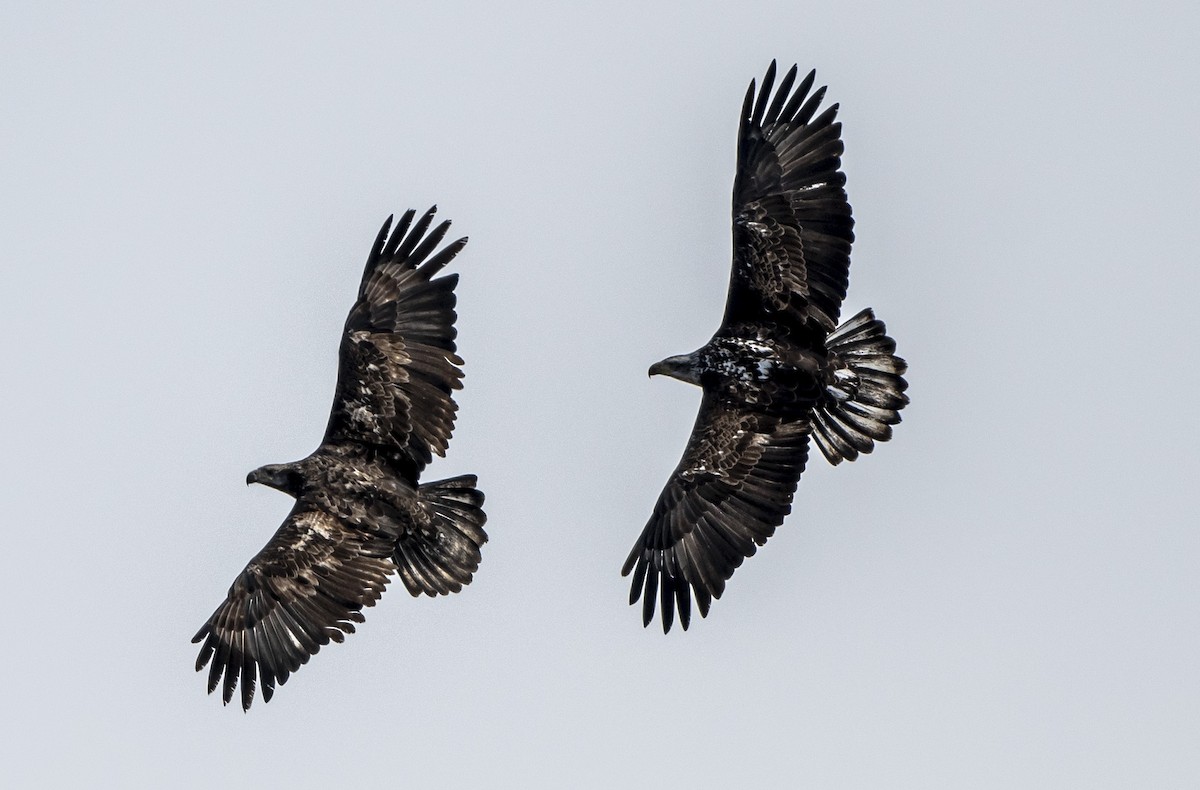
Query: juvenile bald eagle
[
  {"x": 779, "y": 369},
  {"x": 360, "y": 514}
]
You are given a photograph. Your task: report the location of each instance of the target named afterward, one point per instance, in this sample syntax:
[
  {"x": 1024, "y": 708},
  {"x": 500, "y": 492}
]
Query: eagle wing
[
  {"x": 792, "y": 226},
  {"x": 732, "y": 488},
  {"x": 306, "y": 587},
  {"x": 397, "y": 363}
]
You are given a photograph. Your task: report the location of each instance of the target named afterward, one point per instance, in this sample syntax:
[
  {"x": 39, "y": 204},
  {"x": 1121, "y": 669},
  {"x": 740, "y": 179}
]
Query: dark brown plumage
[
  {"x": 360, "y": 513},
  {"x": 779, "y": 369}
]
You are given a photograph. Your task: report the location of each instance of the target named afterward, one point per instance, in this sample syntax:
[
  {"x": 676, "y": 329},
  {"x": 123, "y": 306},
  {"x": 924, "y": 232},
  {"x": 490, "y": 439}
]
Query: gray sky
[{"x": 1004, "y": 596}]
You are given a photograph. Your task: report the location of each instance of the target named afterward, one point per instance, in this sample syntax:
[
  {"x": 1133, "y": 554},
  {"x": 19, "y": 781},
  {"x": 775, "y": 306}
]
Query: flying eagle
[
  {"x": 779, "y": 370},
  {"x": 360, "y": 514}
]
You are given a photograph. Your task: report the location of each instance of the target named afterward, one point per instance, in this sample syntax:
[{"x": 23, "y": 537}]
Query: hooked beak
[
  {"x": 252, "y": 477},
  {"x": 680, "y": 367}
]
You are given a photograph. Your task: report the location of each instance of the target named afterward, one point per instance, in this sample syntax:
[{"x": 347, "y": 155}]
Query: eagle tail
[
  {"x": 442, "y": 559},
  {"x": 863, "y": 399}
]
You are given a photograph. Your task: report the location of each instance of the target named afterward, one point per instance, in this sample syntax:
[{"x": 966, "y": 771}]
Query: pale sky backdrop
[{"x": 1006, "y": 595}]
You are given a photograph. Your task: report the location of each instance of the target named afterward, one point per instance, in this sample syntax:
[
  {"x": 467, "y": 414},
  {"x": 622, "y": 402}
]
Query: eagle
[
  {"x": 360, "y": 513},
  {"x": 779, "y": 370}
]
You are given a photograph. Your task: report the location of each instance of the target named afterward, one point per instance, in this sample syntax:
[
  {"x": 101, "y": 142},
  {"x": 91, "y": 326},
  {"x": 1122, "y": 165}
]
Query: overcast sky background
[{"x": 1005, "y": 595}]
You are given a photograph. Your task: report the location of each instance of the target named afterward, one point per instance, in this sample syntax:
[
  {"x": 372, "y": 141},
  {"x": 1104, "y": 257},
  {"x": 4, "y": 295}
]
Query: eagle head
[
  {"x": 282, "y": 477},
  {"x": 683, "y": 367}
]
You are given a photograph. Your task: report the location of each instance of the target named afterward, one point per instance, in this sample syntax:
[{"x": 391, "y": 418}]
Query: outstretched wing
[
  {"x": 397, "y": 363},
  {"x": 306, "y": 587},
  {"x": 792, "y": 226},
  {"x": 731, "y": 490}
]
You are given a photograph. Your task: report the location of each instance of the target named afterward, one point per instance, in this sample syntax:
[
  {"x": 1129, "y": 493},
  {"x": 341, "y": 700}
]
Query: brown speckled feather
[
  {"x": 732, "y": 488},
  {"x": 792, "y": 226},
  {"x": 398, "y": 368},
  {"x": 306, "y": 587}
]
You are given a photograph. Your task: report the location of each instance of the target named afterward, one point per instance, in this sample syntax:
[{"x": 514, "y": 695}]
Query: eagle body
[
  {"x": 769, "y": 374},
  {"x": 361, "y": 491},
  {"x": 361, "y": 514},
  {"x": 779, "y": 371}
]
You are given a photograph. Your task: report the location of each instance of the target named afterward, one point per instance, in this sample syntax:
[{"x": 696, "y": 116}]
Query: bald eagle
[
  {"x": 779, "y": 370},
  {"x": 360, "y": 513}
]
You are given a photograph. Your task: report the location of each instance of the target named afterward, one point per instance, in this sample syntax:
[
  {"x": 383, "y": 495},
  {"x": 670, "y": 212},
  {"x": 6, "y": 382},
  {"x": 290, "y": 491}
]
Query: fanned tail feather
[
  {"x": 863, "y": 399},
  {"x": 442, "y": 559}
]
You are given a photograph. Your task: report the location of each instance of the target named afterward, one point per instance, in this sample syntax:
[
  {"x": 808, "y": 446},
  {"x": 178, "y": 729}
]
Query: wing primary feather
[
  {"x": 763, "y": 94},
  {"x": 781, "y": 94},
  {"x": 648, "y": 599},
  {"x": 747, "y": 103},
  {"x": 206, "y": 650},
  {"x": 249, "y": 680},
  {"x": 431, "y": 241},
  {"x": 376, "y": 252},
  {"x": 667, "y": 600},
  {"x": 804, "y": 115},
  {"x": 218, "y": 665},
  {"x": 633, "y": 557},
  {"x": 439, "y": 261},
  {"x": 402, "y": 226},
  {"x": 789, "y": 112},
  {"x": 267, "y": 687},
  {"x": 639, "y": 579},
  {"x": 683, "y": 601},
  {"x": 413, "y": 237},
  {"x": 233, "y": 668}
]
